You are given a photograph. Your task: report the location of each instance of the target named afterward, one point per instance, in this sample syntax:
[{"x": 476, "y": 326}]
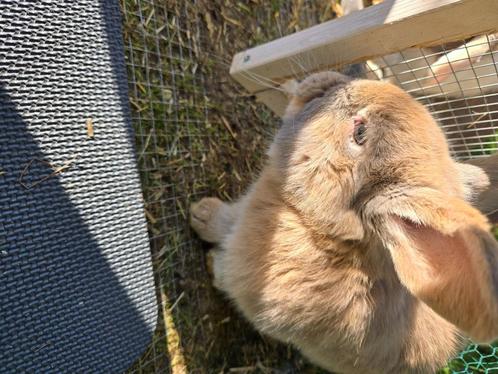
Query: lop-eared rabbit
[{"x": 356, "y": 243}]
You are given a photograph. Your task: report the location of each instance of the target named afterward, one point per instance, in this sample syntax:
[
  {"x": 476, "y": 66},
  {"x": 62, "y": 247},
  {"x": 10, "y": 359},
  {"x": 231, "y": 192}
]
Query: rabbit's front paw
[{"x": 202, "y": 215}]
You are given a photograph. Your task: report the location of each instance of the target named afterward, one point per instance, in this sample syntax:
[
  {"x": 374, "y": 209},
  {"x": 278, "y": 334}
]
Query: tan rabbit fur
[{"x": 365, "y": 257}]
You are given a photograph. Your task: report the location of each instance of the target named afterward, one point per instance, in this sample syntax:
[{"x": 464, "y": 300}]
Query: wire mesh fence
[
  {"x": 199, "y": 134},
  {"x": 458, "y": 83}
]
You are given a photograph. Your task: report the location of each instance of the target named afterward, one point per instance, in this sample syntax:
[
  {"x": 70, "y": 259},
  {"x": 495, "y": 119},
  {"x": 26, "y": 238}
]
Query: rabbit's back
[{"x": 342, "y": 308}]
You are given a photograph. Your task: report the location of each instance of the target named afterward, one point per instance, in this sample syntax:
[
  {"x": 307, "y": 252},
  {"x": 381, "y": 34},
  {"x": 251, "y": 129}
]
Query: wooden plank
[
  {"x": 379, "y": 30},
  {"x": 273, "y": 99}
]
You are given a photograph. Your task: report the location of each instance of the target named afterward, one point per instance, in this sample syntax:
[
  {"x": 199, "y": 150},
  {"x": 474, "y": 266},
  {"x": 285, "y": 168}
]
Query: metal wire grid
[
  {"x": 463, "y": 96},
  {"x": 156, "y": 65},
  {"x": 172, "y": 110},
  {"x": 199, "y": 134},
  {"x": 196, "y": 136}
]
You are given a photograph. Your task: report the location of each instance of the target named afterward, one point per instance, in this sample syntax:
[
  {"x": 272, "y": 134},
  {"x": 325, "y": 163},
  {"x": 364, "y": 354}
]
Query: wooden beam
[
  {"x": 273, "y": 99},
  {"x": 389, "y": 27}
]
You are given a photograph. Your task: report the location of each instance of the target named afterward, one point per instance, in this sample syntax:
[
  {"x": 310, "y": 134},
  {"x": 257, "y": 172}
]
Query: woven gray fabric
[{"x": 76, "y": 282}]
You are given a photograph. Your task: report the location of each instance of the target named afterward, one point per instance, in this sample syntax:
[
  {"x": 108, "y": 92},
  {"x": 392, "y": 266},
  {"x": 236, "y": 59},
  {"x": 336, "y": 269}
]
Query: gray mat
[{"x": 76, "y": 283}]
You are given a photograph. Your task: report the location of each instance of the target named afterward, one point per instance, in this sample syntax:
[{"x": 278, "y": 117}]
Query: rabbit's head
[{"x": 362, "y": 161}]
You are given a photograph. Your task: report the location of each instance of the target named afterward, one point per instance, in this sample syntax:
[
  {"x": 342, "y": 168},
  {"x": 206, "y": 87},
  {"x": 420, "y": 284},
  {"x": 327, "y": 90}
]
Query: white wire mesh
[{"x": 458, "y": 83}]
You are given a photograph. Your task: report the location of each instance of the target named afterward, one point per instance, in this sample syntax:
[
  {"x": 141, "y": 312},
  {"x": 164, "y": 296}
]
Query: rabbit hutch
[{"x": 116, "y": 115}]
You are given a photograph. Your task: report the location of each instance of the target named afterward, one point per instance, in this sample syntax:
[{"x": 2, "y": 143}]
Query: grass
[
  {"x": 199, "y": 134},
  {"x": 489, "y": 146},
  {"x": 475, "y": 359}
]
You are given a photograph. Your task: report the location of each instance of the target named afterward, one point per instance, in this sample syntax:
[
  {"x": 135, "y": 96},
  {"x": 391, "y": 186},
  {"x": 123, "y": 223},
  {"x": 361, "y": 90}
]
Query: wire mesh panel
[
  {"x": 458, "y": 83},
  {"x": 199, "y": 134}
]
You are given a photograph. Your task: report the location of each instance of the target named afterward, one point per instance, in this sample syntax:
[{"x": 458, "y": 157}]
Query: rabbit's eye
[{"x": 359, "y": 132}]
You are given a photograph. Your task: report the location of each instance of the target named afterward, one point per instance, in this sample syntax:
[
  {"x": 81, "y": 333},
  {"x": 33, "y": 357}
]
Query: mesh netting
[
  {"x": 458, "y": 83},
  {"x": 200, "y": 134},
  {"x": 76, "y": 292}
]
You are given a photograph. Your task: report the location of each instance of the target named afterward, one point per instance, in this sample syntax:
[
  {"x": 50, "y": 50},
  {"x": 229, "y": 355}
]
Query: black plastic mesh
[{"x": 77, "y": 291}]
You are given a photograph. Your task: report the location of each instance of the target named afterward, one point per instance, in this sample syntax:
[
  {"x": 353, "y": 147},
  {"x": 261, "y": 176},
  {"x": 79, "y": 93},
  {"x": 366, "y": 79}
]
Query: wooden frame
[{"x": 388, "y": 27}]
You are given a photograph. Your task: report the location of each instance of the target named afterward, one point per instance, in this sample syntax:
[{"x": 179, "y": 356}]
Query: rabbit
[{"x": 356, "y": 243}]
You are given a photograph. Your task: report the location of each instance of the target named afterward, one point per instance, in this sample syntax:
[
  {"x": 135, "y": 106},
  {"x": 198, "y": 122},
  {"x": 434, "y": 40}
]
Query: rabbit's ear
[
  {"x": 313, "y": 87},
  {"x": 444, "y": 254}
]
